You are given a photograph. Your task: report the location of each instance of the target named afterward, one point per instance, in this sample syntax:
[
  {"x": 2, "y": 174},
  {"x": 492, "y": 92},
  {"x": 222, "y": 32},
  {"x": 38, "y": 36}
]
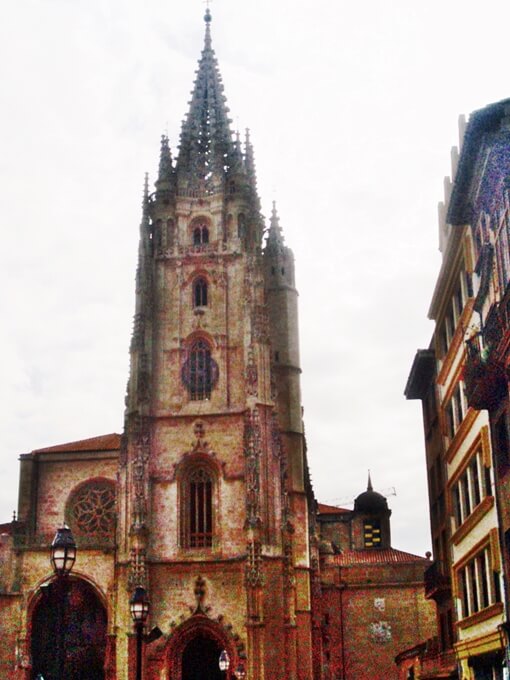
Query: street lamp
[
  {"x": 63, "y": 556},
  {"x": 240, "y": 672},
  {"x": 139, "y": 605},
  {"x": 224, "y": 661},
  {"x": 63, "y": 551}
]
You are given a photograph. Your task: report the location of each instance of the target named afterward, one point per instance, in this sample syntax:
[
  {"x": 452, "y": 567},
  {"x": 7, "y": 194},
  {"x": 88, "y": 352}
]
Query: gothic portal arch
[
  {"x": 75, "y": 608},
  {"x": 195, "y": 649}
]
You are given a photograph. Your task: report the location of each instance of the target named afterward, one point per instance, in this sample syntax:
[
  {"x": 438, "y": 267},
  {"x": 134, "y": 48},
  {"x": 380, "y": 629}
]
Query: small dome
[{"x": 370, "y": 501}]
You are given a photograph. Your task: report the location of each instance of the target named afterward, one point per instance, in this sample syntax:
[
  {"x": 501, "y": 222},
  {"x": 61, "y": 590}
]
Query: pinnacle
[
  {"x": 275, "y": 242},
  {"x": 165, "y": 160},
  {"x": 145, "y": 190}
]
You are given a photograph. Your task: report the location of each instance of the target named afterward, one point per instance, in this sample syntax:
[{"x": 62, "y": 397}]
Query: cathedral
[{"x": 205, "y": 500}]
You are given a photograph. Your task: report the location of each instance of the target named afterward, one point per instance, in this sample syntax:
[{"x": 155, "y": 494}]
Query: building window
[
  {"x": 197, "y": 509},
  {"x": 501, "y": 441},
  {"x": 473, "y": 485},
  {"x": 455, "y": 410},
  {"x": 461, "y": 293},
  {"x": 200, "y": 371},
  {"x": 372, "y": 533},
  {"x": 200, "y": 292},
  {"x": 200, "y": 235},
  {"x": 479, "y": 585},
  {"x": 503, "y": 250},
  {"x": 91, "y": 512},
  {"x": 241, "y": 225}
]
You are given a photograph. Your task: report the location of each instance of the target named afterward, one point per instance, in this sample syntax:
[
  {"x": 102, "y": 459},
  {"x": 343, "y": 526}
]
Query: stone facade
[{"x": 205, "y": 500}]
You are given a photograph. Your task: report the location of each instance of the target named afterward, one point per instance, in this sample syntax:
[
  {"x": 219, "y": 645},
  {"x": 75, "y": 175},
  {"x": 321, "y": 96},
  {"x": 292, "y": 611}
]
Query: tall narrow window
[
  {"x": 200, "y": 235},
  {"x": 200, "y": 292},
  {"x": 199, "y": 509},
  {"x": 241, "y": 225}
]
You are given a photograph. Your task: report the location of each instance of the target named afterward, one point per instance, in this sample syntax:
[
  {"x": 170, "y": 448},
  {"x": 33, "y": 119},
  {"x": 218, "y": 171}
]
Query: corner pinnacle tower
[{"x": 213, "y": 491}]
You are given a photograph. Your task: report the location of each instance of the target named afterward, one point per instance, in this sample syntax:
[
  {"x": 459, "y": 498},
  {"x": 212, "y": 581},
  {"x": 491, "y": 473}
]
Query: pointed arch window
[
  {"x": 200, "y": 371},
  {"x": 198, "y": 508},
  {"x": 200, "y": 292},
  {"x": 241, "y": 225},
  {"x": 200, "y": 235}
]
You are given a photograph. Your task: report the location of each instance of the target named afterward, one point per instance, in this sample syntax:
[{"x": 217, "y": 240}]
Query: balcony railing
[
  {"x": 484, "y": 375},
  {"x": 437, "y": 580}
]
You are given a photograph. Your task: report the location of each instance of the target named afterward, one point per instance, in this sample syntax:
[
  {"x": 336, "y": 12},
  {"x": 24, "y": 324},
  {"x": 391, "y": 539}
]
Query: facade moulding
[
  {"x": 447, "y": 273},
  {"x": 461, "y": 433},
  {"x": 449, "y": 358},
  {"x": 468, "y": 525}
]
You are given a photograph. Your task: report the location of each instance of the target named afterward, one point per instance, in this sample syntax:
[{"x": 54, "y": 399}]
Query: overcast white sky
[{"x": 353, "y": 109}]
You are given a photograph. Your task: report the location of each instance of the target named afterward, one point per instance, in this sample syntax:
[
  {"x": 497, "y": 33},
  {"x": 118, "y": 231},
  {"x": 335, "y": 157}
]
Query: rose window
[{"x": 91, "y": 510}]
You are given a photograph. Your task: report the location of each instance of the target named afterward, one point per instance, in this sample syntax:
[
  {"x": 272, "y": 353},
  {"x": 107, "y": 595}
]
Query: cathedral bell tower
[{"x": 213, "y": 514}]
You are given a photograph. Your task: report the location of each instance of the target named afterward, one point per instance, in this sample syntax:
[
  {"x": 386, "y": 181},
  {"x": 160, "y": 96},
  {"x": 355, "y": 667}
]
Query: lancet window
[
  {"x": 200, "y": 371},
  {"x": 200, "y": 235},
  {"x": 197, "y": 508},
  {"x": 200, "y": 292}
]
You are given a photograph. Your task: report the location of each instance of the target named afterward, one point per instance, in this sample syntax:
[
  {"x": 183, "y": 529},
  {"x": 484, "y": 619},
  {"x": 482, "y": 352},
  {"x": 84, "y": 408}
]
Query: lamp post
[
  {"x": 63, "y": 556},
  {"x": 224, "y": 662},
  {"x": 240, "y": 672},
  {"x": 139, "y": 606}
]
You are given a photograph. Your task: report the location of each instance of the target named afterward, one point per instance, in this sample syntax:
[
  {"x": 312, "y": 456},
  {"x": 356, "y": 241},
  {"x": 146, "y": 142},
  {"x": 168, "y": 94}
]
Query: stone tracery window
[
  {"x": 91, "y": 511},
  {"x": 199, "y": 371},
  {"x": 197, "y": 508}
]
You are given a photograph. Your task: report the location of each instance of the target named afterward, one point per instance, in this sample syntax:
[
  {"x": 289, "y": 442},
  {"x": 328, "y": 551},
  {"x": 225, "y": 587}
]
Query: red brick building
[{"x": 372, "y": 595}]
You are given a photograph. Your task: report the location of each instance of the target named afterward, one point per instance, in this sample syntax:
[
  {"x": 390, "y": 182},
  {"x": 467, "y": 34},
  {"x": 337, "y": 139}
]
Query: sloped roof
[
  {"x": 105, "y": 442},
  {"x": 324, "y": 509},
  {"x": 376, "y": 556}
]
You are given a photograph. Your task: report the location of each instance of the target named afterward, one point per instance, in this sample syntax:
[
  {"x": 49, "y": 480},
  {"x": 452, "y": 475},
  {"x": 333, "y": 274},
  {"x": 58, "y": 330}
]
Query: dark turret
[{"x": 371, "y": 526}]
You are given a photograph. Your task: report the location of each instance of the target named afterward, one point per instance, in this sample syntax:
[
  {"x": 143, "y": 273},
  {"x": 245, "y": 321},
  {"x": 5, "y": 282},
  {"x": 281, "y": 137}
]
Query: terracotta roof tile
[
  {"x": 330, "y": 509},
  {"x": 376, "y": 556},
  {"x": 105, "y": 442}
]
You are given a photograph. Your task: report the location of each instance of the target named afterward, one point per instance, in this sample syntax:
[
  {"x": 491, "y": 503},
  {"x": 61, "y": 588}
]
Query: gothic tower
[{"x": 213, "y": 506}]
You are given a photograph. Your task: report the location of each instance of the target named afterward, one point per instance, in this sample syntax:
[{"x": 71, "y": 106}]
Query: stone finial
[
  {"x": 165, "y": 160},
  {"x": 275, "y": 242}
]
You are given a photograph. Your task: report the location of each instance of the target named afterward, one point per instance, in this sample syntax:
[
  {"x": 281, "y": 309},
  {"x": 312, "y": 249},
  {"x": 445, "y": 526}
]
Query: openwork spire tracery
[{"x": 207, "y": 151}]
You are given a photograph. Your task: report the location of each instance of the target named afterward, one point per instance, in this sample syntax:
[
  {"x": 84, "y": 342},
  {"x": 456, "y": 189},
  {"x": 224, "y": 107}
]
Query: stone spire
[
  {"x": 249, "y": 161},
  {"x": 137, "y": 340},
  {"x": 369, "y": 484},
  {"x": 206, "y": 151},
  {"x": 165, "y": 161},
  {"x": 275, "y": 242}
]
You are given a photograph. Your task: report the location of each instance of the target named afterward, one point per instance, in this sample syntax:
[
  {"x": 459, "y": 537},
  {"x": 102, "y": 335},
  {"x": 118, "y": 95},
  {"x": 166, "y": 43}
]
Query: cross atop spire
[{"x": 208, "y": 19}]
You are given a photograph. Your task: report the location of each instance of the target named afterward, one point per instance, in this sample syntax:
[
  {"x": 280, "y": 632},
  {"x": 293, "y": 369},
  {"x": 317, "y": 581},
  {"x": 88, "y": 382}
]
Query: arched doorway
[
  {"x": 193, "y": 650},
  {"x": 200, "y": 659},
  {"x": 68, "y": 632}
]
